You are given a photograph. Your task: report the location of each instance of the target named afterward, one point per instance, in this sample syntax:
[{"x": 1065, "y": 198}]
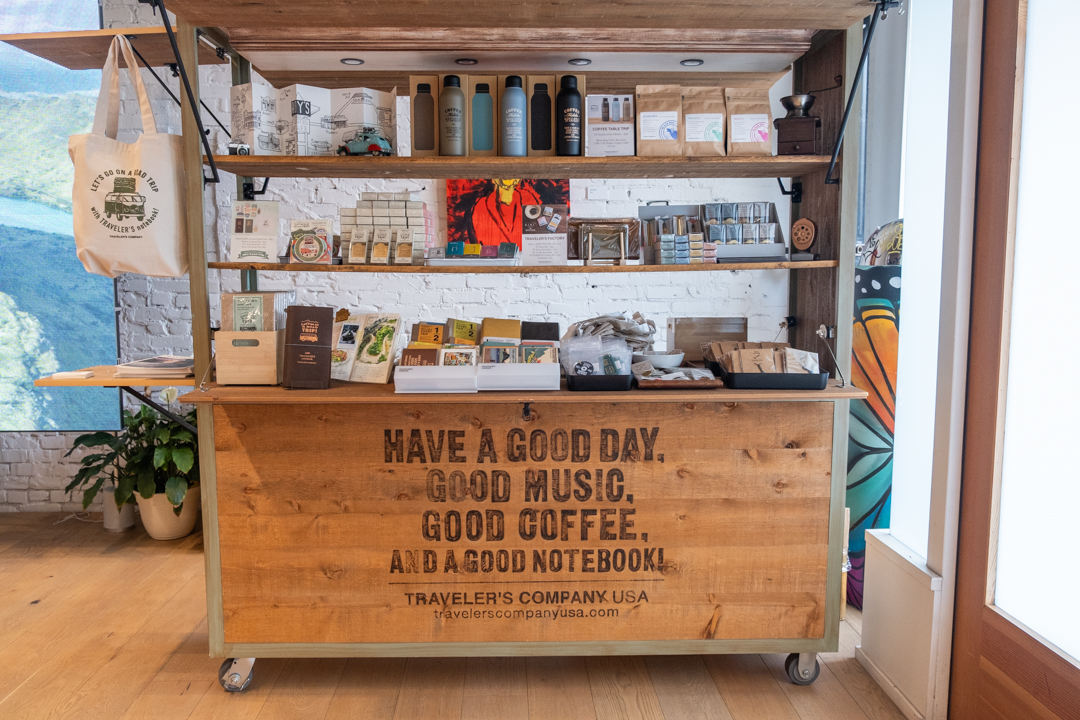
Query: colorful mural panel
[{"x": 875, "y": 344}]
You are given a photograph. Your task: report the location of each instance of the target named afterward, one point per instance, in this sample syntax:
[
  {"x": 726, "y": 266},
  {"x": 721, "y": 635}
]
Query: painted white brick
[{"x": 17, "y": 497}]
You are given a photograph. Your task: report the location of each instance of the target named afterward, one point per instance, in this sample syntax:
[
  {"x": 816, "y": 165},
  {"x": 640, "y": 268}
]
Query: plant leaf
[
  {"x": 178, "y": 509},
  {"x": 124, "y": 488},
  {"x": 183, "y": 458},
  {"x": 183, "y": 436},
  {"x": 145, "y": 483},
  {"x": 93, "y": 440},
  {"x": 161, "y": 456},
  {"x": 176, "y": 490},
  {"x": 91, "y": 493},
  {"x": 162, "y": 434}
]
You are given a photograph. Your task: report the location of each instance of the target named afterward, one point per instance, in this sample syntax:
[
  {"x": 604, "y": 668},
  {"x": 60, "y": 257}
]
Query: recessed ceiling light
[
  {"x": 580, "y": 61},
  {"x": 351, "y": 61},
  {"x": 467, "y": 61},
  {"x": 692, "y": 62}
]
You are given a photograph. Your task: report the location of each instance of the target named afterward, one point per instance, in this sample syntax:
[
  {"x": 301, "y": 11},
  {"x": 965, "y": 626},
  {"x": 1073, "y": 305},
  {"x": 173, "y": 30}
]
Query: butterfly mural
[{"x": 875, "y": 344}]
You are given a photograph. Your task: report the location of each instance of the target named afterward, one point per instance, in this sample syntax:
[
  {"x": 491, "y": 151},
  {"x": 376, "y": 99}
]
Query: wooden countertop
[{"x": 344, "y": 393}]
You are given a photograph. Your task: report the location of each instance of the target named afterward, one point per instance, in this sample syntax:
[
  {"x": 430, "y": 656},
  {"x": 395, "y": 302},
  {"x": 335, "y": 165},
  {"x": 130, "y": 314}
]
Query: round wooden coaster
[{"x": 802, "y": 234}]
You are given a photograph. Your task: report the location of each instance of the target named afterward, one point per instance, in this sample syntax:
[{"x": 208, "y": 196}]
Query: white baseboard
[{"x": 890, "y": 689}]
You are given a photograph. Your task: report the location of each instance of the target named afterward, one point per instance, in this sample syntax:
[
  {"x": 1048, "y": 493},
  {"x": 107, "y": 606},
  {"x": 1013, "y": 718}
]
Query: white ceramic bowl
[{"x": 661, "y": 359}]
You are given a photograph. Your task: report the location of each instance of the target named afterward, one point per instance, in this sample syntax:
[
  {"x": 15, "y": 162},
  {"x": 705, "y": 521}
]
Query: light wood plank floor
[{"x": 99, "y": 625}]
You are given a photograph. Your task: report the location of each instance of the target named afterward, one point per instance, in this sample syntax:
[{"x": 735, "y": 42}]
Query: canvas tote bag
[{"x": 128, "y": 198}]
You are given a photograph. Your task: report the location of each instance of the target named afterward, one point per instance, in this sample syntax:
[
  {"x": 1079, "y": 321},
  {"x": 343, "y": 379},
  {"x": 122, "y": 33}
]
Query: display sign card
[{"x": 254, "y": 231}]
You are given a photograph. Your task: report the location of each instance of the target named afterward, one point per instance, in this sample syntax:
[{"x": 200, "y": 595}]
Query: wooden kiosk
[{"x": 357, "y": 522}]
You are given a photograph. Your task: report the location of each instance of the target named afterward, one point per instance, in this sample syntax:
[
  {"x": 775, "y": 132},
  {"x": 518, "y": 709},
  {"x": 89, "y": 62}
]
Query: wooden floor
[{"x": 100, "y": 625}]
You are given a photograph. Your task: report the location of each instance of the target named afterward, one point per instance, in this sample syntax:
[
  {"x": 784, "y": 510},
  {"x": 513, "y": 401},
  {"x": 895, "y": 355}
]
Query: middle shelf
[
  {"x": 575, "y": 168},
  {"x": 521, "y": 269}
]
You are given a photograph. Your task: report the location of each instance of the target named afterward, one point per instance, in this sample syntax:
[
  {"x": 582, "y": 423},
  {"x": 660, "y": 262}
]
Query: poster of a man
[{"x": 489, "y": 212}]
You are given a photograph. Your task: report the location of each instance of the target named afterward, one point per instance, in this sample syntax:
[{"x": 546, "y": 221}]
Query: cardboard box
[
  {"x": 430, "y": 149},
  {"x": 609, "y": 125},
  {"x": 495, "y": 90},
  {"x": 541, "y": 140}
]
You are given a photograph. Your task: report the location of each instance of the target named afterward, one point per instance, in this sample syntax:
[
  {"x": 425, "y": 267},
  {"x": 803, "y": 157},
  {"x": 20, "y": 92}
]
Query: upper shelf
[
  {"x": 550, "y": 16},
  {"x": 87, "y": 49},
  {"x": 441, "y": 168},
  {"x": 525, "y": 269}
]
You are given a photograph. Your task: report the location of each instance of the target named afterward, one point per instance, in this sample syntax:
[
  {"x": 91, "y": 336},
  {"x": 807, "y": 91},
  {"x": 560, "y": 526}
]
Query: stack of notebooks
[
  {"x": 165, "y": 367},
  {"x": 495, "y": 340}
]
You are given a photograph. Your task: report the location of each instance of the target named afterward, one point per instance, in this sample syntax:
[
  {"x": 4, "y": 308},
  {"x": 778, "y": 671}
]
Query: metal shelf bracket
[
  {"x": 203, "y": 132},
  {"x": 881, "y": 11}
]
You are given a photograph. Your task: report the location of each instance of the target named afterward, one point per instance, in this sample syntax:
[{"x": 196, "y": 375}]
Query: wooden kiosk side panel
[{"x": 400, "y": 524}]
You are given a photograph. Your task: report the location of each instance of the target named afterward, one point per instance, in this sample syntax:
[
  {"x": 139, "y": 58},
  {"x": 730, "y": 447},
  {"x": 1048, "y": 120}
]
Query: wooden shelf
[
  {"x": 87, "y": 49},
  {"x": 283, "y": 69},
  {"x": 441, "y": 168},
  {"x": 343, "y": 392},
  {"x": 104, "y": 376},
  {"x": 521, "y": 269},
  {"x": 697, "y": 16}
]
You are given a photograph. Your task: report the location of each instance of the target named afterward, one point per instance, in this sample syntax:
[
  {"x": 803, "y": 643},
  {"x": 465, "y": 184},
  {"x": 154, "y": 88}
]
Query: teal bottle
[{"x": 483, "y": 119}]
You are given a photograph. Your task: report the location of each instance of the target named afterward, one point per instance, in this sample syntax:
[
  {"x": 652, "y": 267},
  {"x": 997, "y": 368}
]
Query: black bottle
[
  {"x": 568, "y": 118},
  {"x": 540, "y": 118}
]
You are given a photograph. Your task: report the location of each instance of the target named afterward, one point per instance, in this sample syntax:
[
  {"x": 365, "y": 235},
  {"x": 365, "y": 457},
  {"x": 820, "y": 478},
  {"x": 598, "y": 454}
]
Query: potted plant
[{"x": 153, "y": 461}]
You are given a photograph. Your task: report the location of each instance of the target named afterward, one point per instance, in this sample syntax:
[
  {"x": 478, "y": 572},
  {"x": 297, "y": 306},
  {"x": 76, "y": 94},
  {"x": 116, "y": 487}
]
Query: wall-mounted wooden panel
[{"x": 550, "y": 15}]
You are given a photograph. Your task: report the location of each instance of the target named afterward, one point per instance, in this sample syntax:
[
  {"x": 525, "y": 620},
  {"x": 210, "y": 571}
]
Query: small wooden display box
[{"x": 250, "y": 358}]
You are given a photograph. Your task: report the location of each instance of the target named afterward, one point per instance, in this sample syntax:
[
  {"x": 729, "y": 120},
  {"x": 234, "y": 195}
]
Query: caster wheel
[
  {"x": 234, "y": 679},
  {"x": 791, "y": 665}
]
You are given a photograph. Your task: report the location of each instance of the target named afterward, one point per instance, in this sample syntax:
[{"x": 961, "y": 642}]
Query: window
[
  {"x": 53, "y": 314},
  {"x": 1037, "y": 581}
]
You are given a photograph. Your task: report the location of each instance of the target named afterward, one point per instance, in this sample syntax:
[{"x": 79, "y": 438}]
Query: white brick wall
[{"x": 156, "y": 315}]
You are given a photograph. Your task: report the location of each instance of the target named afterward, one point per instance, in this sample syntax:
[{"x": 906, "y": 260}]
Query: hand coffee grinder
[{"x": 797, "y": 133}]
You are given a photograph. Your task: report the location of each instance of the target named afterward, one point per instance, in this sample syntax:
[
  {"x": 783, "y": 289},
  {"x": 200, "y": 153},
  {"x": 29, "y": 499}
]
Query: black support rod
[
  {"x": 879, "y": 12},
  {"x": 169, "y": 90},
  {"x": 160, "y": 5},
  {"x": 147, "y": 401}
]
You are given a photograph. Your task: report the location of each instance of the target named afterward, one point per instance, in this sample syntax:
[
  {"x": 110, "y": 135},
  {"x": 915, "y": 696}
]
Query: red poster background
[{"x": 477, "y": 211}]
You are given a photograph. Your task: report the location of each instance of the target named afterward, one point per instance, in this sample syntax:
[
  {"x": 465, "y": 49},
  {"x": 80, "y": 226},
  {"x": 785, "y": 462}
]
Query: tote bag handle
[{"x": 107, "y": 114}]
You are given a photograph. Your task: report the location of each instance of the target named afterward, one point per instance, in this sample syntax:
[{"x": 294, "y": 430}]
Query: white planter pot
[
  {"x": 161, "y": 522},
  {"x": 116, "y": 520}
]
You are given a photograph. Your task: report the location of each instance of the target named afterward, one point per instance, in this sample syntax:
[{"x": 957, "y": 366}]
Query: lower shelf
[
  {"x": 105, "y": 376},
  {"x": 523, "y": 270}
]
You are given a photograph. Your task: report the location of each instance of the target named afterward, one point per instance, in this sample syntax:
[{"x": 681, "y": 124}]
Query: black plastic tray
[
  {"x": 597, "y": 383},
  {"x": 770, "y": 381}
]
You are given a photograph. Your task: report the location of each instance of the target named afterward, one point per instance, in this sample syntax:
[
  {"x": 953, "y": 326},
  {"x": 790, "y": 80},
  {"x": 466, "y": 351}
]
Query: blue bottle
[
  {"x": 512, "y": 125},
  {"x": 483, "y": 119}
]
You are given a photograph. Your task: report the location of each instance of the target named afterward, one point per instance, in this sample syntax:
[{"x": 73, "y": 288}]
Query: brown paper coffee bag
[
  {"x": 705, "y": 121},
  {"x": 659, "y": 120},
  {"x": 749, "y": 121}
]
